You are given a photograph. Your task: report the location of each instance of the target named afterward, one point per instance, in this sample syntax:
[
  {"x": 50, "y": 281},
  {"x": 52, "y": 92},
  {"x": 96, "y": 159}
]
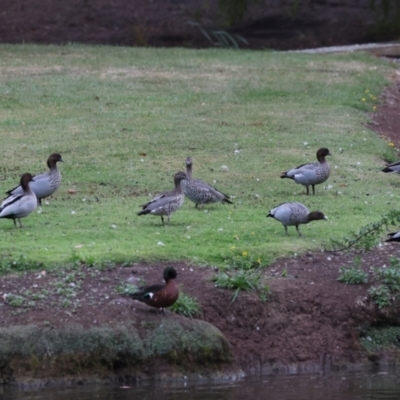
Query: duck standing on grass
[
  {"x": 160, "y": 296},
  {"x": 45, "y": 184},
  {"x": 294, "y": 214},
  {"x": 311, "y": 174},
  {"x": 167, "y": 202},
  {"x": 17, "y": 206},
  {"x": 199, "y": 191}
]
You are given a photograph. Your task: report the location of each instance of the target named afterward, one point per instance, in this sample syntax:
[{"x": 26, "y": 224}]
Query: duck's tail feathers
[
  {"x": 143, "y": 212},
  {"x": 284, "y": 175},
  {"x": 392, "y": 237},
  {"x": 387, "y": 169}
]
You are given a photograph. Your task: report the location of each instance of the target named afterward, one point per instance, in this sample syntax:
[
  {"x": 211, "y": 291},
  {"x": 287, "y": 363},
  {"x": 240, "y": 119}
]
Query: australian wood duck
[
  {"x": 311, "y": 174},
  {"x": 167, "y": 202},
  {"x": 45, "y": 184},
  {"x": 294, "y": 214},
  {"x": 160, "y": 296},
  {"x": 393, "y": 167},
  {"x": 393, "y": 237},
  {"x": 17, "y": 206},
  {"x": 199, "y": 191}
]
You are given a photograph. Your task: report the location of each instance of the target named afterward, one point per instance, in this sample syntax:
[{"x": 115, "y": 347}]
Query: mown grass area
[{"x": 125, "y": 119}]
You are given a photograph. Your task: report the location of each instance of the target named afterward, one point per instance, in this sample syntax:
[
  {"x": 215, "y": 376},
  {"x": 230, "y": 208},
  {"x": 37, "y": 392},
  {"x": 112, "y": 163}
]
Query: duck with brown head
[
  {"x": 311, "y": 174},
  {"x": 166, "y": 203},
  {"x": 45, "y": 184},
  {"x": 17, "y": 206},
  {"x": 294, "y": 213},
  {"x": 160, "y": 296}
]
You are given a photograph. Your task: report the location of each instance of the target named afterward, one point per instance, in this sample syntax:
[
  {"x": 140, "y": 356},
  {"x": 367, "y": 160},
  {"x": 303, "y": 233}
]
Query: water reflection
[{"x": 384, "y": 385}]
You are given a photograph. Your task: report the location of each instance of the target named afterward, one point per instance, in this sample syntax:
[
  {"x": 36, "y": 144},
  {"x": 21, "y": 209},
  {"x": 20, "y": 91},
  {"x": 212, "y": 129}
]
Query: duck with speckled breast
[
  {"x": 201, "y": 192},
  {"x": 166, "y": 203},
  {"x": 295, "y": 213}
]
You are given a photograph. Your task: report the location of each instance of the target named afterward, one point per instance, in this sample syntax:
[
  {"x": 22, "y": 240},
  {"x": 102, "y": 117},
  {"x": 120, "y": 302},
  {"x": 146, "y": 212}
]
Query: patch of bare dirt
[
  {"x": 310, "y": 318},
  {"x": 386, "y": 120}
]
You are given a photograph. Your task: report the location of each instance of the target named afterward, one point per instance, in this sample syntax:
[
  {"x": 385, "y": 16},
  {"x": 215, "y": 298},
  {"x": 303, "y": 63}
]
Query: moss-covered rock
[{"x": 30, "y": 353}]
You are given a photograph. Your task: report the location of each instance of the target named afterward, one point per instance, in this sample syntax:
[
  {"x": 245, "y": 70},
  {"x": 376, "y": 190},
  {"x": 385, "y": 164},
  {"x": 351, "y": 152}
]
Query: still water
[{"x": 383, "y": 385}]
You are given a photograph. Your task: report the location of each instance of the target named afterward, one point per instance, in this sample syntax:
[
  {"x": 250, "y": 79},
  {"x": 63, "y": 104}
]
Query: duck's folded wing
[
  {"x": 154, "y": 200},
  {"x": 147, "y": 292},
  {"x": 10, "y": 201}
]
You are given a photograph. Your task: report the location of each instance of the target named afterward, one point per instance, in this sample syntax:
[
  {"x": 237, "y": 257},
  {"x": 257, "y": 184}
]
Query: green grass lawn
[{"x": 125, "y": 119}]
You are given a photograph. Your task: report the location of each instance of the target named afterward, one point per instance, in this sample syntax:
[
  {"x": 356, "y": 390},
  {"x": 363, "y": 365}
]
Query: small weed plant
[
  {"x": 16, "y": 300},
  {"x": 242, "y": 276},
  {"x": 380, "y": 294},
  {"x": 186, "y": 306},
  {"x": 126, "y": 289},
  {"x": 20, "y": 264},
  {"x": 369, "y": 235},
  {"x": 387, "y": 291},
  {"x": 353, "y": 275}
]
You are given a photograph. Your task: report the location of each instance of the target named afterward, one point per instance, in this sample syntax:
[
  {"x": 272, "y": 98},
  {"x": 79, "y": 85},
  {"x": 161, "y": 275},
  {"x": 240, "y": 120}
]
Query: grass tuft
[
  {"x": 242, "y": 280},
  {"x": 186, "y": 306},
  {"x": 352, "y": 276},
  {"x": 387, "y": 292}
]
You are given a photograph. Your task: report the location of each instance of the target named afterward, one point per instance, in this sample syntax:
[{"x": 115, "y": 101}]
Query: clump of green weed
[
  {"x": 380, "y": 294},
  {"x": 241, "y": 260},
  {"x": 80, "y": 259},
  {"x": 353, "y": 275},
  {"x": 390, "y": 153},
  {"x": 126, "y": 289},
  {"x": 247, "y": 280},
  {"x": 186, "y": 305},
  {"x": 388, "y": 291},
  {"x": 15, "y": 300},
  {"x": 375, "y": 338},
  {"x": 21, "y": 264},
  {"x": 391, "y": 276}
]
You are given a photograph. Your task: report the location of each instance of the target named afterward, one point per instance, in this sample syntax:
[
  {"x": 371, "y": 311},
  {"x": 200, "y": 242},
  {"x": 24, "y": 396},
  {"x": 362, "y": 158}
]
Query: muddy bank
[{"x": 310, "y": 322}]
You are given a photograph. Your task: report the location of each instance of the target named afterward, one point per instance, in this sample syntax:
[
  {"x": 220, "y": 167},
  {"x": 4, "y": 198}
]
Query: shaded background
[{"x": 257, "y": 24}]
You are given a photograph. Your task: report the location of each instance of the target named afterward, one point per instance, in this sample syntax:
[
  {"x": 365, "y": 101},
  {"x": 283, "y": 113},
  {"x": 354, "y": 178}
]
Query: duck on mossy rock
[{"x": 160, "y": 296}]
